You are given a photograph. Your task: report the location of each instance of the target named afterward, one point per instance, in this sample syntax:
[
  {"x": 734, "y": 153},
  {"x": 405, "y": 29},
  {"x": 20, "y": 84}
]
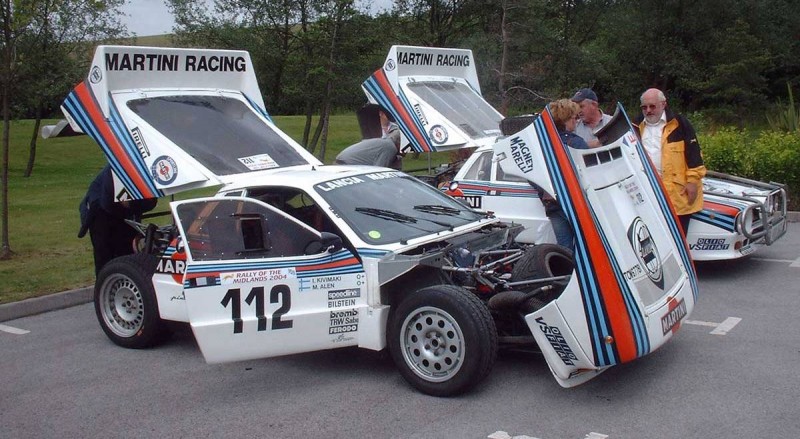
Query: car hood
[
  {"x": 171, "y": 120},
  {"x": 434, "y": 96}
]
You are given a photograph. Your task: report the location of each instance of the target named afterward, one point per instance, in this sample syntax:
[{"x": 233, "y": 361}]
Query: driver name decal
[
  {"x": 521, "y": 155},
  {"x": 153, "y": 62},
  {"x": 645, "y": 250}
]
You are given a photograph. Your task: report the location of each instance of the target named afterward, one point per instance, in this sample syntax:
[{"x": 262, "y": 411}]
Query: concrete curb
[{"x": 52, "y": 302}]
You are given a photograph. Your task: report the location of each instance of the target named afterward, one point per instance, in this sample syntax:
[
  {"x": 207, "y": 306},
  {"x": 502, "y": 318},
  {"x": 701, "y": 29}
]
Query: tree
[
  {"x": 35, "y": 31},
  {"x": 53, "y": 56}
]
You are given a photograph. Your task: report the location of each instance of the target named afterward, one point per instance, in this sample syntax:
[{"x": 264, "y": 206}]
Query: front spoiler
[{"x": 568, "y": 349}]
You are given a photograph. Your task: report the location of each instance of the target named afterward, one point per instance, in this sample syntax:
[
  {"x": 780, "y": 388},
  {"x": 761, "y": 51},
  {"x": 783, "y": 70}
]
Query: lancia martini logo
[
  {"x": 645, "y": 249},
  {"x": 164, "y": 170},
  {"x": 438, "y": 134}
]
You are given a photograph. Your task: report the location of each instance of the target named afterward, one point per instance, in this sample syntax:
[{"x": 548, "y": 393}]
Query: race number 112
[{"x": 278, "y": 294}]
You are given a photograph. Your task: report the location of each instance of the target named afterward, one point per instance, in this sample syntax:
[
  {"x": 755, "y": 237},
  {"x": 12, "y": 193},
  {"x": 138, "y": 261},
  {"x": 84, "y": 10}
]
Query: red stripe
[
  {"x": 335, "y": 264},
  {"x": 721, "y": 208},
  {"x": 408, "y": 121},
  {"x": 610, "y": 292},
  {"x": 101, "y": 125}
]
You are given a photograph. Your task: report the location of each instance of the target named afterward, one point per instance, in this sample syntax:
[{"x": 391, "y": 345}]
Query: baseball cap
[{"x": 584, "y": 93}]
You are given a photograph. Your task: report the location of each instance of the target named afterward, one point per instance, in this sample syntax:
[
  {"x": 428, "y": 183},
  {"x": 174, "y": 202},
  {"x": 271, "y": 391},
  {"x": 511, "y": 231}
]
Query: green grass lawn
[{"x": 43, "y": 209}]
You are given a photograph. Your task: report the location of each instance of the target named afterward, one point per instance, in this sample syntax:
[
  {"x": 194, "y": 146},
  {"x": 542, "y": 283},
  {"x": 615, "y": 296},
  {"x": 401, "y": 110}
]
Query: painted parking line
[
  {"x": 794, "y": 263},
  {"x": 504, "y": 435},
  {"x": 13, "y": 330},
  {"x": 719, "y": 328}
]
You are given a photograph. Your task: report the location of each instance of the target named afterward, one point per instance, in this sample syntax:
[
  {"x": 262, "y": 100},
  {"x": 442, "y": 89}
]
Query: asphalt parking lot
[{"x": 730, "y": 372}]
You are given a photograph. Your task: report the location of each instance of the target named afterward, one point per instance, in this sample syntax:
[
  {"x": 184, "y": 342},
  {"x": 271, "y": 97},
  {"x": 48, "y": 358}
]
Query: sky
[
  {"x": 151, "y": 17},
  {"x": 147, "y": 17}
]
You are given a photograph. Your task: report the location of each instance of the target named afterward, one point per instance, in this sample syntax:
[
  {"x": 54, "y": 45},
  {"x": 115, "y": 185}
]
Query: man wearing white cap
[{"x": 591, "y": 117}]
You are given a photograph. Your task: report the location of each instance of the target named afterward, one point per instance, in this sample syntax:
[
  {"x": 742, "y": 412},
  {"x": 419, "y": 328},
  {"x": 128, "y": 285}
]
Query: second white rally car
[
  {"x": 436, "y": 98},
  {"x": 292, "y": 255}
]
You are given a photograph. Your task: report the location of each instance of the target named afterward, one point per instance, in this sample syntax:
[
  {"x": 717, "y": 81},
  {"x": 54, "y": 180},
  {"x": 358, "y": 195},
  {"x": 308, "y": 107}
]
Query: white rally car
[
  {"x": 294, "y": 256},
  {"x": 437, "y": 99}
]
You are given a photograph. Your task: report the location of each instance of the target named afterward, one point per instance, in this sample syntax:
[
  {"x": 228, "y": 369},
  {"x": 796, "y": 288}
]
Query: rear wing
[
  {"x": 171, "y": 120},
  {"x": 434, "y": 96}
]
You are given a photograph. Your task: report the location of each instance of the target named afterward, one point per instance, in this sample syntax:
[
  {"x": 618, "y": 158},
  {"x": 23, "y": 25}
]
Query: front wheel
[
  {"x": 125, "y": 302},
  {"x": 443, "y": 340}
]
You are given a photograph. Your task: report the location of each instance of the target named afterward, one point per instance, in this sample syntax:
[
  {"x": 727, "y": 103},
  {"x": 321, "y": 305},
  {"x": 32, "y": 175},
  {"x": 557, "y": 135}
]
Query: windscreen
[
  {"x": 222, "y": 133},
  {"x": 389, "y": 207},
  {"x": 459, "y": 104}
]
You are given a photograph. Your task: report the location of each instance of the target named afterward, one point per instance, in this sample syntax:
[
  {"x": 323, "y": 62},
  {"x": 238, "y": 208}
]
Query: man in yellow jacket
[{"x": 672, "y": 144}]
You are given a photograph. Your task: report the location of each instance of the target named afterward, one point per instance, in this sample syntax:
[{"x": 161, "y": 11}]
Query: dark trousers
[
  {"x": 684, "y": 220},
  {"x": 111, "y": 238}
]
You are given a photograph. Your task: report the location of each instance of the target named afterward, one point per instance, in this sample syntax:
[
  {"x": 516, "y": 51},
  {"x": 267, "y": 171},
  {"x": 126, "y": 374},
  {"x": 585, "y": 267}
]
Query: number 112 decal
[{"x": 278, "y": 294}]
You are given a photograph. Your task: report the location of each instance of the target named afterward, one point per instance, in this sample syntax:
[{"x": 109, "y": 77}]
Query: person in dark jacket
[{"x": 104, "y": 219}]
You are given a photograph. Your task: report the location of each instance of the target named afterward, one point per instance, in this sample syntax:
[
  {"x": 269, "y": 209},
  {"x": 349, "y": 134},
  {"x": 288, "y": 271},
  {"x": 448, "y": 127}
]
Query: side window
[
  {"x": 238, "y": 229},
  {"x": 481, "y": 169},
  {"x": 502, "y": 176}
]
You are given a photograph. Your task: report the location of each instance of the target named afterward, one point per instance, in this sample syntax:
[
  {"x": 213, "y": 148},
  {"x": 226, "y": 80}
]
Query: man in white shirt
[
  {"x": 591, "y": 117},
  {"x": 672, "y": 145}
]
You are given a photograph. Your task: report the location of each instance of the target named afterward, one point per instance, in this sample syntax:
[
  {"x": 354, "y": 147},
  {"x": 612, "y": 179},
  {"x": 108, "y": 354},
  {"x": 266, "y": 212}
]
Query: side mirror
[{"x": 328, "y": 242}]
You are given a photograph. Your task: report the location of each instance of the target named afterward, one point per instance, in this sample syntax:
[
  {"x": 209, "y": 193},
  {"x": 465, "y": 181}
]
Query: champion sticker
[
  {"x": 258, "y": 162},
  {"x": 645, "y": 249},
  {"x": 438, "y": 134},
  {"x": 164, "y": 170}
]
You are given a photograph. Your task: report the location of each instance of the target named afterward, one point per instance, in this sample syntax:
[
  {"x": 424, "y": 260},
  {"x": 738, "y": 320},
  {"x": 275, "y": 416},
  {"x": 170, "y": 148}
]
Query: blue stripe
[
  {"x": 374, "y": 89},
  {"x": 118, "y": 127},
  {"x": 256, "y": 265},
  {"x": 260, "y": 110},
  {"x": 78, "y": 112},
  {"x": 724, "y": 222}
]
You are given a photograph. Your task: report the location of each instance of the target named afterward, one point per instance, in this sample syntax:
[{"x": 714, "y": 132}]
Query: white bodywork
[{"x": 255, "y": 280}]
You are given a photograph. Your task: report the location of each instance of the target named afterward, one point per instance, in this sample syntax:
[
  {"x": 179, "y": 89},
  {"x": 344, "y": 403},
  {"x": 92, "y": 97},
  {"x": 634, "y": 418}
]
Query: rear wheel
[
  {"x": 443, "y": 340},
  {"x": 540, "y": 262},
  {"x": 125, "y": 302}
]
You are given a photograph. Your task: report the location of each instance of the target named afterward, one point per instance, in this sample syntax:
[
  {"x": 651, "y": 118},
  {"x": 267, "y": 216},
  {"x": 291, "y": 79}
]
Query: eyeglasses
[{"x": 650, "y": 106}]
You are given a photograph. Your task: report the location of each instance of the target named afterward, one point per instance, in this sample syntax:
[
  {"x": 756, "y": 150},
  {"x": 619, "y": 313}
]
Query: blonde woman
[{"x": 565, "y": 115}]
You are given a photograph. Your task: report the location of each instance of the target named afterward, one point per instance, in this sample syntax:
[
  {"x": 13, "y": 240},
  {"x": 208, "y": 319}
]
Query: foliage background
[{"x": 728, "y": 64}]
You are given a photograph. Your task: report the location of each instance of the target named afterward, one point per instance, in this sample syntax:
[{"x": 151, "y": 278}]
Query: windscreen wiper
[
  {"x": 437, "y": 209},
  {"x": 386, "y": 214},
  {"x": 397, "y": 216}
]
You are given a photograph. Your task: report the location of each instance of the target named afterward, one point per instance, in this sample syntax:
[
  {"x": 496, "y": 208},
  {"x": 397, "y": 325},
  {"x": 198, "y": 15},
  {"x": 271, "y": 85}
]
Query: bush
[
  {"x": 772, "y": 156},
  {"x": 726, "y": 151}
]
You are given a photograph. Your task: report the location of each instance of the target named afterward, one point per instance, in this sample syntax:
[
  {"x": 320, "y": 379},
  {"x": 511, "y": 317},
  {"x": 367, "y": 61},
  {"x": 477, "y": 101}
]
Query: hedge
[{"x": 770, "y": 156}]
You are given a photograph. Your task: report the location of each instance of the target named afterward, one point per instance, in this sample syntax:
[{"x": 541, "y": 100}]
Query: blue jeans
[{"x": 565, "y": 237}]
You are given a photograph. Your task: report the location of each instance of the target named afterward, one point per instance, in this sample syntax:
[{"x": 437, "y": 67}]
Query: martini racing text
[{"x": 173, "y": 63}]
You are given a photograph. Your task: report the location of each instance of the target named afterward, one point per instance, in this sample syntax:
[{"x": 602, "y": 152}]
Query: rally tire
[
  {"x": 543, "y": 261},
  {"x": 442, "y": 339},
  {"x": 125, "y": 302}
]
